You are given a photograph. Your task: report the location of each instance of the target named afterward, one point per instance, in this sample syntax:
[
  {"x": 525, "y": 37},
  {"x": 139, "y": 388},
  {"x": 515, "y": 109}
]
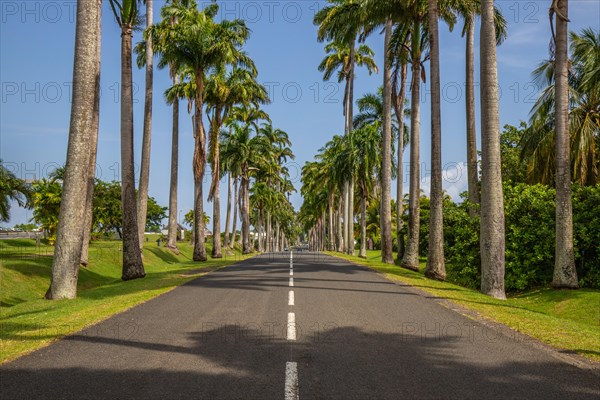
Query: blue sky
[{"x": 36, "y": 61}]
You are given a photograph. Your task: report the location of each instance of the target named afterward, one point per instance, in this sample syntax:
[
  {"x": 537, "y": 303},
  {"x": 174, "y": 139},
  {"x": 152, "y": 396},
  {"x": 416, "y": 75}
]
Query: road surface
[{"x": 311, "y": 327}]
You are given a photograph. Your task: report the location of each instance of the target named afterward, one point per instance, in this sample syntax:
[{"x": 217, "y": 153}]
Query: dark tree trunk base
[
  {"x": 200, "y": 257},
  {"x": 173, "y": 249},
  {"x": 435, "y": 275},
  {"x": 410, "y": 267},
  {"x": 564, "y": 286},
  {"x": 134, "y": 273}
]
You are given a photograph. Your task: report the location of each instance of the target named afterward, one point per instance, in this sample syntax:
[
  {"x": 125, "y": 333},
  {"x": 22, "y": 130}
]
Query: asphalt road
[{"x": 352, "y": 335}]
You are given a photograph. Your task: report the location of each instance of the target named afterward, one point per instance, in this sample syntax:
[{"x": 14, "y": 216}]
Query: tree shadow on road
[{"x": 248, "y": 361}]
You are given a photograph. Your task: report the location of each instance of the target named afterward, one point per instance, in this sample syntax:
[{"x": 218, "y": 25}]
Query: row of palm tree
[
  {"x": 209, "y": 69},
  {"x": 411, "y": 38}
]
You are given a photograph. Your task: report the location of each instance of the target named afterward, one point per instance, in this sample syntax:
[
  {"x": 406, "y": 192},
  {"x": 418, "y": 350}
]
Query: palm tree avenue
[{"x": 268, "y": 272}]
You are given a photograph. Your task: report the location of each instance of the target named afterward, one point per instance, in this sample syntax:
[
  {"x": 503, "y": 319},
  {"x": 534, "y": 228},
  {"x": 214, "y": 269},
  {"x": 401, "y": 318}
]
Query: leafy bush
[
  {"x": 530, "y": 237},
  {"x": 586, "y": 227},
  {"x": 461, "y": 247}
]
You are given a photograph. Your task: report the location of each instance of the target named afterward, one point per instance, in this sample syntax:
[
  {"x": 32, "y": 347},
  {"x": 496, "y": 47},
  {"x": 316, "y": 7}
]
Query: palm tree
[
  {"x": 341, "y": 23},
  {"x": 435, "y": 267},
  {"x": 91, "y": 179},
  {"x": 367, "y": 143},
  {"x": 418, "y": 55},
  {"x": 468, "y": 10},
  {"x": 160, "y": 36},
  {"x": 127, "y": 14},
  {"x": 343, "y": 58},
  {"x": 200, "y": 44},
  {"x": 240, "y": 156},
  {"x": 67, "y": 252},
  {"x": 243, "y": 151},
  {"x": 12, "y": 189},
  {"x": 492, "y": 241},
  {"x": 539, "y": 144},
  {"x": 272, "y": 168},
  {"x": 565, "y": 274},
  {"x": 387, "y": 255},
  {"x": 223, "y": 91},
  {"x": 472, "y": 174},
  {"x": 399, "y": 58},
  {"x": 142, "y": 200}
]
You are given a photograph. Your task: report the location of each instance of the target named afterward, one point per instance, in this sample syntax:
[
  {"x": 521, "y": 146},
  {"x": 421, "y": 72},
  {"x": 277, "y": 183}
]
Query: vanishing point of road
[{"x": 294, "y": 326}]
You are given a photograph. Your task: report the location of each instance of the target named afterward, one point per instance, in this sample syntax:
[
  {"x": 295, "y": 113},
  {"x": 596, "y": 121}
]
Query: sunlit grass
[
  {"x": 28, "y": 322},
  {"x": 566, "y": 319}
]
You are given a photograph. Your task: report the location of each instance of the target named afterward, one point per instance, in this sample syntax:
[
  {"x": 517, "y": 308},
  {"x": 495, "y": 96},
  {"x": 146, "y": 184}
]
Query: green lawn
[
  {"x": 566, "y": 319},
  {"x": 28, "y": 322}
]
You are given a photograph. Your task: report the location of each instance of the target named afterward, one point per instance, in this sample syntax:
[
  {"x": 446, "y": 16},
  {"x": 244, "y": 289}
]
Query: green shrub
[
  {"x": 530, "y": 237},
  {"x": 586, "y": 227}
]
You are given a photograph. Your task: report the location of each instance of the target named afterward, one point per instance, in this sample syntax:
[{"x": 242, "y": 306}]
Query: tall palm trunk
[
  {"x": 340, "y": 228},
  {"x": 387, "y": 255},
  {"x": 330, "y": 233},
  {"x": 173, "y": 225},
  {"x": 247, "y": 247},
  {"x": 132, "y": 254},
  {"x": 492, "y": 204},
  {"x": 199, "y": 165},
  {"x": 345, "y": 218},
  {"x": 277, "y": 236},
  {"x": 472, "y": 174},
  {"x": 146, "y": 139},
  {"x": 363, "y": 224},
  {"x": 228, "y": 214},
  {"x": 216, "y": 251},
  {"x": 565, "y": 274},
  {"x": 411, "y": 255},
  {"x": 214, "y": 194},
  {"x": 67, "y": 251},
  {"x": 259, "y": 229},
  {"x": 199, "y": 233},
  {"x": 435, "y": 268},
  {"x": 236, "y": 206},
  {"x": 349, "y": 122},
  {"x": 269, "y": 243},
  {"x": 399, "y": 111},
  {"x": 89, "y": 197}
]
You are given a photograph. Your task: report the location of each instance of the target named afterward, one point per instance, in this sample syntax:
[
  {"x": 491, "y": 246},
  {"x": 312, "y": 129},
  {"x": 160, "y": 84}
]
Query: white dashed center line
[
  {"x": 291, "y": 368},
  {"x": 291, "y": 326},
  {"x": 291, "y": 381}
]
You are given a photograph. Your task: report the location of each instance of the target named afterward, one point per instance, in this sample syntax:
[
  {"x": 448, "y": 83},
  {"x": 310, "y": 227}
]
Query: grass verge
[
  {"x": 565, "y": 319},
  {"x": 28, "y": 322}
]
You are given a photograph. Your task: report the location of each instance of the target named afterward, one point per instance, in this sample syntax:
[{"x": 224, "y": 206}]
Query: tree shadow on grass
[{"x": 164, "y": 255}]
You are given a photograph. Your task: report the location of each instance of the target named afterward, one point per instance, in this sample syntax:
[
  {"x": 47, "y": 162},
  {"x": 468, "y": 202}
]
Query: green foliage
[
  {"x": 12, "y": 188},
  {"x": 188, "y": 219},
  {"x": 538, "y": 142},
  {"x": 26, "y": 227},
  {"x": 155, "y": 215},
  {"x": 107, "y": 212},
  {"x": 513, "y": 167},
  {"x": 530, "y": 237},
  {"x": 586, "y": 226},
  {"x": 46, "y": 205},
  {"x": 461, "y": 247}
]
